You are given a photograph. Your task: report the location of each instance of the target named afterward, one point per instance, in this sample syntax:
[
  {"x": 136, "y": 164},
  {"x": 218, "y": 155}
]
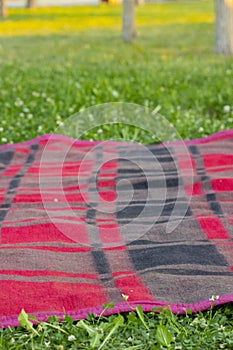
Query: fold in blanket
[{"x": 82, "y": 223}]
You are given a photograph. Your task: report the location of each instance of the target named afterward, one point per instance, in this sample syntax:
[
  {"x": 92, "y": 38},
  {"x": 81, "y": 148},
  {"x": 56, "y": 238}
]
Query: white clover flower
[
  {"x": 100, "y": 131},
  {"x": 115, "y": 93},
  {"x": 39, "y": 129},
  {"x": 91, "y": 117},
  {"x": 26, "y": 110},
  {"x": 71, "y": 337},
  {"x": 214, "y": 298},
  {"x": 59, "y": 123},
  {"x": 18, "y": 102},
  {"x": 49, "y": 100},
  {"x": 29, "y": 116},
  {"x": 21, "y": 115},
  {"x": 201, "y": 129},
  {"x": 1, "y": 129},
  {"x": 35, "y": 94},
  {"x": 226, "y": 109},
  {"x": 4, "y": 139},
  {"x": 71, "y": 109}
]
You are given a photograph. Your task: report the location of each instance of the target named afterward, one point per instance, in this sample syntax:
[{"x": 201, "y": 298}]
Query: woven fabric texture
[{"x": 82, "y": 223}]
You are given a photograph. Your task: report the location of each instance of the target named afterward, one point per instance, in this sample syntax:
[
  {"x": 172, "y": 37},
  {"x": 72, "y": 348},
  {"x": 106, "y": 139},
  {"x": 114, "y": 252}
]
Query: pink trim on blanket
[
  {"x": 217, "y": 136},
  {"x": 147, "y": 306}
]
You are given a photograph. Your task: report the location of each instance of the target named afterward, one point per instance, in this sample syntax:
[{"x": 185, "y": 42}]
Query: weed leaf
[
  {"x": 25, "y": 323},
  {"x": 141, "y": 316},
  {"x": 163, "y": 336},
  {"x": 117, "y": 322}
]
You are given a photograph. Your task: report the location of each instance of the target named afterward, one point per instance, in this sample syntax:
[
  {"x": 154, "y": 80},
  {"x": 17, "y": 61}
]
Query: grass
[
  {"x": 65, "y": 60},
  {"x": 55, "y": 62},
  {"x": 134, "y": 330}
]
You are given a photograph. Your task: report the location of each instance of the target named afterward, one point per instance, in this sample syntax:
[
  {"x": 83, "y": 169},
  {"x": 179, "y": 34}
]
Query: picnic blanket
[{"x": 84, "y": 223}]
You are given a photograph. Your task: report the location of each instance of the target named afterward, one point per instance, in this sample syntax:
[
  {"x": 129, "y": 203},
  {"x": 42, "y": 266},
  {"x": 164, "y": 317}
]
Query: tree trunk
[
  {"x": 3, "y": 9},
  {"x": 139, "y": 2},
  {"x": 128, "y": 19},
  {"x": 224, "y": 26},
  {"x": 31, "y": 4}
]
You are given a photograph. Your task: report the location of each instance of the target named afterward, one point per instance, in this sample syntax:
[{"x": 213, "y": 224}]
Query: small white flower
[
  {"x": 1, "y": 129},
  {"x": 49, "y": 100},
  {"x": 35, "y": 94},
  {"x": 59, "y": 123},
  {"x": 201, "y": 129},
  {"x": 29, "y": 116},
  {"x": 71, "y": 337},
  {"x": 227, "y": 109},
  {"x": 214, "y": 297},
  {"x": 221, "y": 328},
  {"x": 91, "y": 117},
  {"x": 115, "y": 93},
  {"x": 26, "y": 110},
  {"x": 100, "y": 131},
  {"x": 18, "y": 102},
  {"x": 39, "y": 129},
  {"x": 125, "y": 297},
  {"x": 4, "y": 139},
  {"x": 21, "y": 115}
]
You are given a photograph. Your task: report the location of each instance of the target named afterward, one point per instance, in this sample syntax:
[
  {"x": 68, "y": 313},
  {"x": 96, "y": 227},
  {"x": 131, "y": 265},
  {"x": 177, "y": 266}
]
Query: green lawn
[
  {"x": 55, "y": 62},
  {"x": 71, "y": 58}
]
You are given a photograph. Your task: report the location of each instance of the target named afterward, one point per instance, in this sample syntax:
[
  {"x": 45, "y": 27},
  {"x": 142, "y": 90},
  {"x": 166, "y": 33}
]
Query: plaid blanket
[{"x": 83, "y": 223}]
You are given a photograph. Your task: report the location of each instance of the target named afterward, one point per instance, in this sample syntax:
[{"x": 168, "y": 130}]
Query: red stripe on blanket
[
  {"x": 32, "y": 273},
  {"x": 133, "y": 288},
  {"x": 194, "y": 189},
  {"x": 45, "y": 233},
  {"x": 213, "y": 228},
  {"x": 56, "y": 197},
  {"x": 49, "y": 296},
  {"x": 217, "y": 160},
  {"x": 222, "y": 185}
]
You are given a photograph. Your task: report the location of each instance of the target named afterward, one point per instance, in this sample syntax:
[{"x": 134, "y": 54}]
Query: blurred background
[{"x": 166, "y": 55}]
